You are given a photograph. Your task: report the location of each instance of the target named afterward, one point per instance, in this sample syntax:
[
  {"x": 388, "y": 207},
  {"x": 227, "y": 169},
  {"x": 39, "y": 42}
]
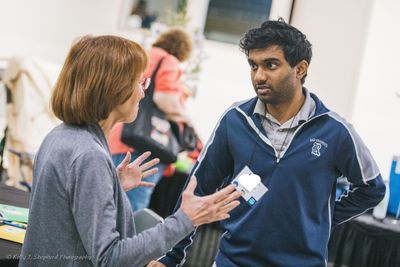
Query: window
[
  {"x": 219, "y": 20},
  {"x": 142, "y": 13},
  {"x": 227, "y": 20}
]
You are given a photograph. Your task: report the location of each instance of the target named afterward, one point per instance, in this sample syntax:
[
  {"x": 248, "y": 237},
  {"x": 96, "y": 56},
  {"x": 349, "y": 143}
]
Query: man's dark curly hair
[{"x": 294, "y": 43}]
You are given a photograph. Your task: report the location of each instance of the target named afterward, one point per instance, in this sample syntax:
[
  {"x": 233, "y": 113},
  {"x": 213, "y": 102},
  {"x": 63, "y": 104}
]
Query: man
[{"x": 298, "y": 148}]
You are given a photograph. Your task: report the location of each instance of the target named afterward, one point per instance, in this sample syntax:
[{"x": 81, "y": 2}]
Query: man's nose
[{"x": 260, "y": 75}]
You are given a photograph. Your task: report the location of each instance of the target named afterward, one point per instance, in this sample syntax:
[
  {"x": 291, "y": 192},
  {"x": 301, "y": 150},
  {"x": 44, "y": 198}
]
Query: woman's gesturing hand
[
  {"x": 211, "y": 208},
  {"x": 131, "y": 174}
]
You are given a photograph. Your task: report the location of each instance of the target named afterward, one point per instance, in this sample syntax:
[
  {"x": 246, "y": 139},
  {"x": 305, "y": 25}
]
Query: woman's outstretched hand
[
  {"x": 211, "y": 208},
  {"x": 207, "y": 209},
  {"x": 131, "y": 174}
]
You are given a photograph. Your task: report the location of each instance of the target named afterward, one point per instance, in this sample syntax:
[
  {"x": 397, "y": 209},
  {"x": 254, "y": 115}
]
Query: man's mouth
[{"x": 263, "y": 89}]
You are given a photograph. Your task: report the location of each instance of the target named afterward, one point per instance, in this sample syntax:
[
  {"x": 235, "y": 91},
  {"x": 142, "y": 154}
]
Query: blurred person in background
[
  {"x": 141, "y": 10},
  {"x": 172, "y": 47},
  {"x": 79, "y": 214}
]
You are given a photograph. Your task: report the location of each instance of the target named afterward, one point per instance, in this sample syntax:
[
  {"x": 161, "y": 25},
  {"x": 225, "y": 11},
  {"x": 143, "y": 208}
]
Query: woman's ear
[{"x": 301, "y": 69}]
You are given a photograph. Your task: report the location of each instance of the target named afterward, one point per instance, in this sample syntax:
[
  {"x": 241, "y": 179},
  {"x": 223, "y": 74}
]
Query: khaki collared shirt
[{"x": 281, "y": 134}]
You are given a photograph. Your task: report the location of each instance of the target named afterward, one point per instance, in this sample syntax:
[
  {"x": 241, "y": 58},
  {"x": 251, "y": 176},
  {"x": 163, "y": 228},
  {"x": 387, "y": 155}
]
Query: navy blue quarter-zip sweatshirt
[{"x": 290, "y": 225}]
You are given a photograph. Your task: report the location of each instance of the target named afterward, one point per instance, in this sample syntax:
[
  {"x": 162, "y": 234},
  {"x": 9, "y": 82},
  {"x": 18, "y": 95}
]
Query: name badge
[{"x": 250, "y": 185}]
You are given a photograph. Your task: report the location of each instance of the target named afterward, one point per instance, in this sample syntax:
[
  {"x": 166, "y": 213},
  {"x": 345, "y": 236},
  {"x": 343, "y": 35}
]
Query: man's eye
[
  {"x": 253, "y": 66},
  {"x": 271, "y": 65}
]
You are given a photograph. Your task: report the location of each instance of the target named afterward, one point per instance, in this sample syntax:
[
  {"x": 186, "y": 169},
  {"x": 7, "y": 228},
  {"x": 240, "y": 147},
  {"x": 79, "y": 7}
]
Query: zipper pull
[{"x": 277, "y": 160}]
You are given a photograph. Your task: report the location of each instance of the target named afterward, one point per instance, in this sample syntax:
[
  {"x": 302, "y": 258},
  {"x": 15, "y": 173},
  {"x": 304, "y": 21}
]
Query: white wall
[
  {"x": 337, "y": 30},
  {"x": 224, "y": 79},
  {"x": 46, "y": 28},
  {"x": 377, "y": 106}
]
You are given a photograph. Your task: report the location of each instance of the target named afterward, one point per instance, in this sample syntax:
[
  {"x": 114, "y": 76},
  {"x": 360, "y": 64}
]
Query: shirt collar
[{"x": 306, "y": 111}]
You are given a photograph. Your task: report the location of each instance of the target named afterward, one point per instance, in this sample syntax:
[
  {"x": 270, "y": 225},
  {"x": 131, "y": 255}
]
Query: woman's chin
[
  {"x": 132, "y": 118},
  {"x": 128, "y": 118}
]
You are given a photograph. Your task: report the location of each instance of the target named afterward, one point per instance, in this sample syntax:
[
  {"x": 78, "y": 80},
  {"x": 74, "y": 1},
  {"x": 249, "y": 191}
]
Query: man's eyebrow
[{"x": 269, "y": 59}]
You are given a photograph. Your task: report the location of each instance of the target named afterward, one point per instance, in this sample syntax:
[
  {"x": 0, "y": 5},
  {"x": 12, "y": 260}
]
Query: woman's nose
[{"x": 142, "y": 93}]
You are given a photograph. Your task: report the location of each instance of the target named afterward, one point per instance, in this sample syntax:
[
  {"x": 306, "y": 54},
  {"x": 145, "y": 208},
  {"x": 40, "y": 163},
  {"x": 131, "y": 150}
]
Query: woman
[
  {"x": 172, "y": 47},
  {"x": 79, "y": 214}
]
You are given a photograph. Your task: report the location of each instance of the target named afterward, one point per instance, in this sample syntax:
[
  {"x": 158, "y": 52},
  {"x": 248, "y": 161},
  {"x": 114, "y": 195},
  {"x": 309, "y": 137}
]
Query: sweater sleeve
[
  {"x": 94, "y": 212},
  {"x": 214, "y": 164},
  {"x": 355, "y": 162}
]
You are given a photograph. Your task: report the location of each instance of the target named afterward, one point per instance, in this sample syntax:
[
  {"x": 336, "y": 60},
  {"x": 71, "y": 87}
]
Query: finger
[
  {"x": 150, "y": 164},
  {"x": 149, "y": 172},
  {"x": 223, "y": 192},
  {"x": 141, "y": 158},
  {"x": 216, "y": 212},
  {"x": 229, "y": 198},
  {"x": 192, "y": 185},
  {"x": 126, "y": 160},
  {"x": 228, "y": 207},
  {"x": 147, "y": 184}
]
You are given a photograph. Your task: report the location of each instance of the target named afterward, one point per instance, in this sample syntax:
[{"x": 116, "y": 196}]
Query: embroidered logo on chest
[{"x": 318, "y": 147}]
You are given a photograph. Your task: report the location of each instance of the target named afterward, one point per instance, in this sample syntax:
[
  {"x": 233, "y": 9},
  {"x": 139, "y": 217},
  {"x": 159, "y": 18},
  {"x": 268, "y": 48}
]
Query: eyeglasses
[{"x": 145, "y": 83}]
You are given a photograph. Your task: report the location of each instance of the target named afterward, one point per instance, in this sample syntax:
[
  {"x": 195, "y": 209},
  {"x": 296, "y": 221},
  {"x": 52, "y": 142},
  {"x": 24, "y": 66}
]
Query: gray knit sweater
[{"x": 79, "y": 214}]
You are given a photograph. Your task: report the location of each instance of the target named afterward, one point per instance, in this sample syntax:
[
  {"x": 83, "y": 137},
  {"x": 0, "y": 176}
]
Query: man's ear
[{"x": 301, "y": 69}]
